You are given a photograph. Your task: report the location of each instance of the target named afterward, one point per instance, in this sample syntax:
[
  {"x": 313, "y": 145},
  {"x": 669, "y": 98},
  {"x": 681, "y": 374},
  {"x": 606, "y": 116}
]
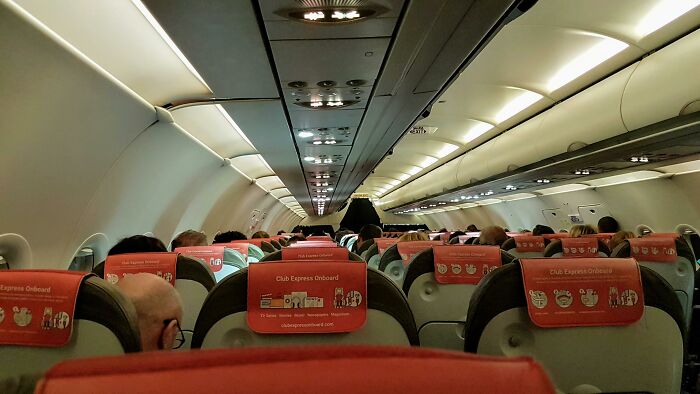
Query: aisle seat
[
  {"x": 321, "y": 253},
  {"x": 440, "y": 309},
  {"x": 678, "y": 271},
  {"x": 193, "y": 281},
  {"x": 526, "y": 246},
  {"x": 557, "y": 248},
  {"x": 313, "y": 369},
  {"x": 633, "y": 356},
  {"x": 394, "y": 265},
  {"x": 224, "y": 320},
  {"x": 104, "y": 323}
]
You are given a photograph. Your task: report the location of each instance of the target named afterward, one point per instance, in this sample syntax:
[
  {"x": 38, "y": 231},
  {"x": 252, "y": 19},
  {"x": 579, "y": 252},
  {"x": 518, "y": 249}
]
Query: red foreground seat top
[{"x": 327, "y": 369}]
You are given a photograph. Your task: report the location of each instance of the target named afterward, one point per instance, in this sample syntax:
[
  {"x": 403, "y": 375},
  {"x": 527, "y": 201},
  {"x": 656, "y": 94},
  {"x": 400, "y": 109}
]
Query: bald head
[
  {"x": 492, "y": 235},
  {"x": 157, "y": 304}
]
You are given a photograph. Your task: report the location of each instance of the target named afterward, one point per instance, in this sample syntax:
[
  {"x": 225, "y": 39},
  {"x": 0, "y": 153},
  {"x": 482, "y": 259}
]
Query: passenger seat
[
  {"x": 313, "y": 369},
  {"x": 593, "y": 247},
  {"x": 224, "y": 321},
  {"x": 526, "y": 246},
  {"x": 193, "y": 281},
  {"x": 104, "y": 323},
  {"x": 678, "y": 270},
  {"x": 642, "y": 356},
  {"x": 441, "y": 309}
]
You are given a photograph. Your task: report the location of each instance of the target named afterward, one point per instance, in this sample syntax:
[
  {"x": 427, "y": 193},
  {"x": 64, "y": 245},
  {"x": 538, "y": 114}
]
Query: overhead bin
[
  {"x": 663, "y": 84},
  {"x": 654, "y": 89}
]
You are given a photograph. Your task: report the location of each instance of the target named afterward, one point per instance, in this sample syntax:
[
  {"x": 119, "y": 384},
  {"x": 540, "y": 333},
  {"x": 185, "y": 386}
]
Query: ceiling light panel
[{"x": 325, "y": 136}]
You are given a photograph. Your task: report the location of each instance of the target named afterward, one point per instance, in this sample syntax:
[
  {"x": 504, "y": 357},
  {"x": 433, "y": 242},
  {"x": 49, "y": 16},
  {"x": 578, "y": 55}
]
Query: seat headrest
[
  {"x": 276, "y": 256},
  {"x": 555, "y": 246},
  {"x": 50, "y": 301},
  {"x": 683, "y": 250},
  {"x": 503, "y": 289},
  {"x": 231, "y": 296},
  {"x": 423, "y": 263},
  {"x": 348, "y": 369},
  {"x": 511, "y": 244},
  {"x": 186, "y": 268}
]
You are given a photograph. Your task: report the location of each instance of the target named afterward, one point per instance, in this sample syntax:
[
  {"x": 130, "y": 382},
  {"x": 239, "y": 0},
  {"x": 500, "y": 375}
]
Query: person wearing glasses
[{"x": 159, "y": 310}]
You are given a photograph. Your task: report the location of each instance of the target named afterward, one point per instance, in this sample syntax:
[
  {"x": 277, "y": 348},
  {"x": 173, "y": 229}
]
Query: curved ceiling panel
[
  {"x": 553, "y": 51},
  {"x": 117, "y": 36}
]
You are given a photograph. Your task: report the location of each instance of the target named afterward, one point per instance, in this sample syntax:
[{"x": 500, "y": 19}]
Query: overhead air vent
[{"x": 326, "y": 12}]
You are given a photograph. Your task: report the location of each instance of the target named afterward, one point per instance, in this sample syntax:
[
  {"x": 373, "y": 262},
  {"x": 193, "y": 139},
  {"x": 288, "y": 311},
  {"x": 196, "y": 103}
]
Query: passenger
[
  {"x": 281, "y": 232},
  {"x": 297, "y": 230},
  {"x": 608, "y": 224},
  {"x": 581, "y": 229},
  {"x": 159, "y": 310},
  {"x": 138, "y": 244},
  {"x": 472, "y": 229},
  {"x": 341, "y": 233},
  {"x": 456, "y": 234},
  {"x": 228, "y": 236},
  {"x": 442, "y": 230},
  {"x": 367, "y": 232},
  {"x": 189, "y": 238},
  {"x": 541, "y": 229},
  {"x": 260, "y": 234},
  {"x": 295, "y": 239},
  {"x": 493, "y": 235},
  {"x": 618, "y": 237},
  {"x": 417, "y": 236}
]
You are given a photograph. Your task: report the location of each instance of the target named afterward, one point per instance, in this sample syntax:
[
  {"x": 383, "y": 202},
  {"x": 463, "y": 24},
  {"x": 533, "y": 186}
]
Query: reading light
[
  {"x": 519, "y": 103},
  {"x": 309, "y": 158},
  {"x": 586, "y": 61},
  {"x": 305, "y": 134},
  {"x": 326, "y": 176},
  {"x": 634, "y": 159},
  {"x": 316, "y": 104},
  {"x": 318, "y": 177},
  {"x": 330, "y": 189},
  {"x": 662, "y": 14},
  {"x": 329, "y": 142},
  {"x": 317, "y": 142},
  {"x": 317, "y": 161},
  {"x": 315, "y": 15}
]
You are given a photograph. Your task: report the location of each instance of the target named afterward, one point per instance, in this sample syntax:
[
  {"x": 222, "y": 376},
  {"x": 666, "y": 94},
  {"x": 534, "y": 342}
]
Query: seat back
[
  {"x": 397, "y": 257},
  {"x": 103, "y": 322},
  {"x": 576, "y": 247},
  {"x": 224, "y": 319},
  {"x": 350, "y": 244},
  {"x": 526, "y": 246},
  {"x": 645, "y": 356},
  {"x": 372, "y": 253},
  {"x": 312, "y": 253},
  {"x": 344, "y": 370},
  {"x": 678, "y": 270},
  {"x": 365, "y": 245},
  {"x": 222, "y": 260},
  {"x": 193, "y": 281},
  {"x": 440, "y": 310}
]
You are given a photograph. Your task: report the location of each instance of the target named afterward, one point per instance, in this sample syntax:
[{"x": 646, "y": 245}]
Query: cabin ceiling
[
  {"x": 553, "y": 51},
  {"x": 384, "y": 69}
]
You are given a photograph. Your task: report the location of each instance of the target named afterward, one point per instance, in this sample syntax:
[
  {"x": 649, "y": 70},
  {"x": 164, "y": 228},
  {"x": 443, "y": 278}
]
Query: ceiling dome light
[
  {"x": 331, "y": 104},
  {"x": 332, "y": 14},
  {"x": 305, "y": 134}
]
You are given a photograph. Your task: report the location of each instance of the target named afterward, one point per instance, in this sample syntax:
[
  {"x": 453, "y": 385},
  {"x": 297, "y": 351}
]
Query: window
[
  {"x": 3, "y": 264},
  {"x": 83, "y": 261}
]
